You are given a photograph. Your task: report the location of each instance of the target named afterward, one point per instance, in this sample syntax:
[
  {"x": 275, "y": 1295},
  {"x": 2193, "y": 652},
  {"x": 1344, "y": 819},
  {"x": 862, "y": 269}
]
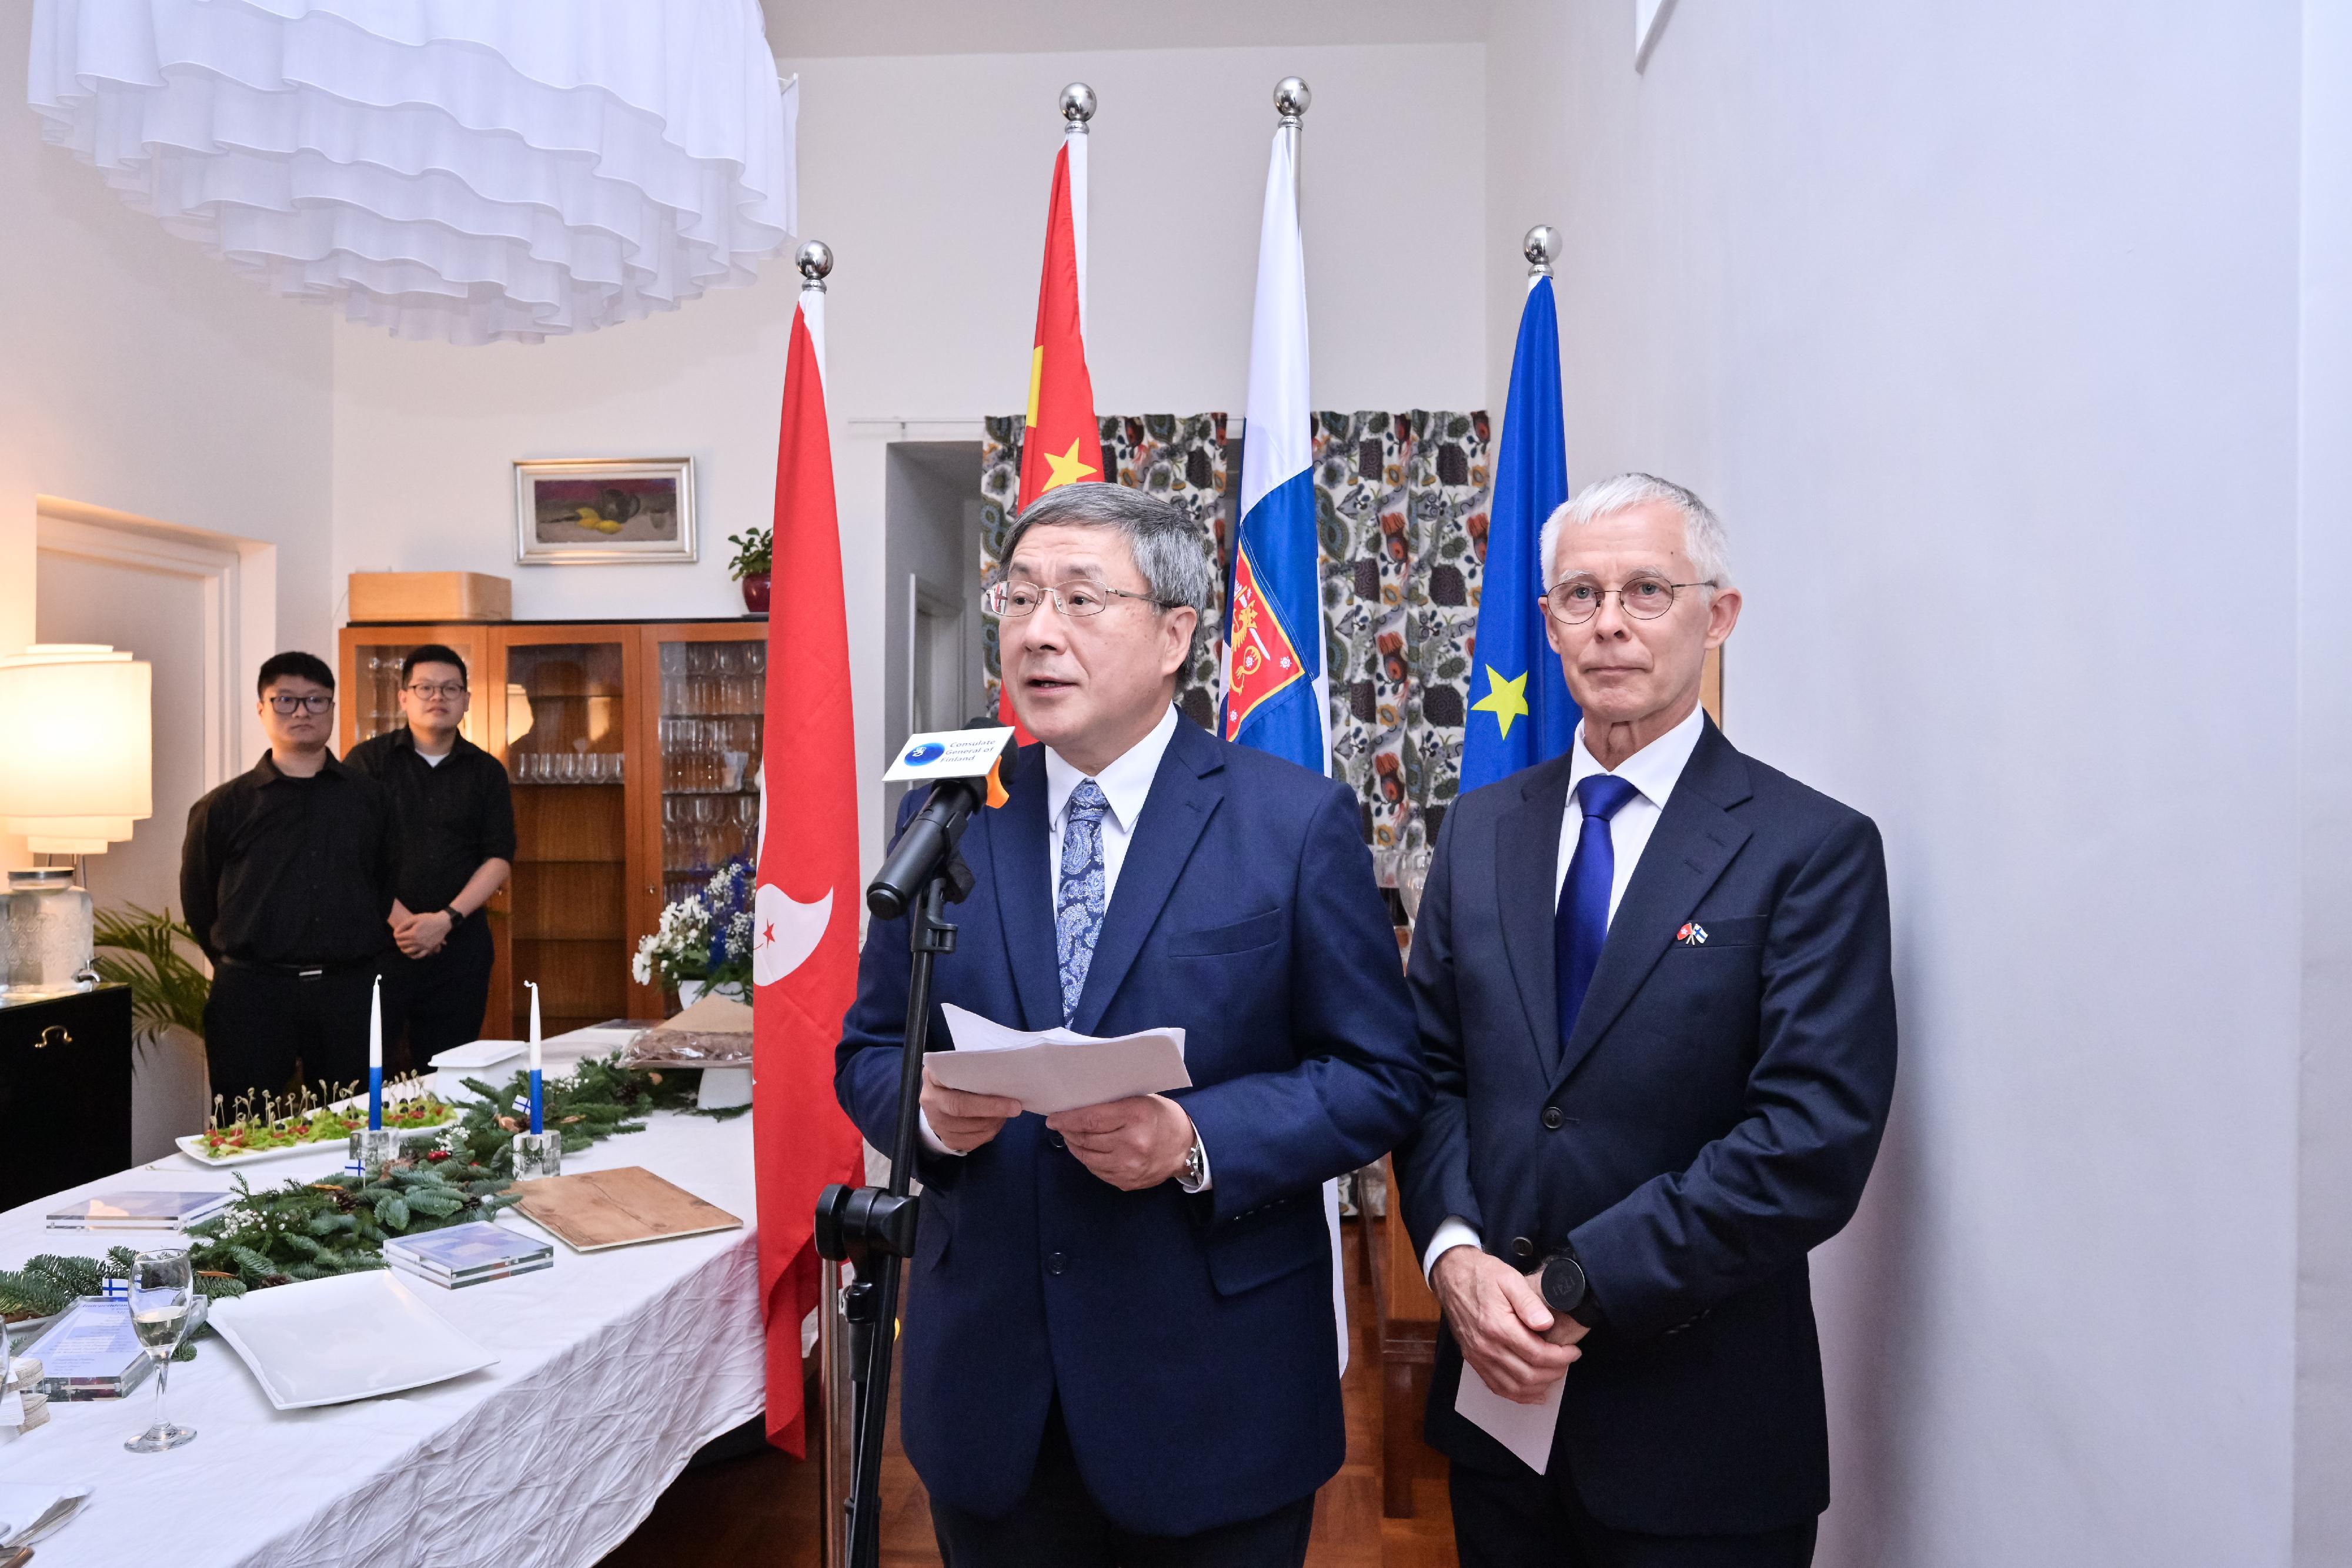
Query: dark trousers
[
  {"x": 1539, "y": 1522},
  {"x": 1058, "y": 1522},
  {"x": 263, "y": 1025},
  {"x": 435, "y": 1003}
]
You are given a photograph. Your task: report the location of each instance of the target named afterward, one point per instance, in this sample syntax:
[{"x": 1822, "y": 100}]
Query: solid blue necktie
[{"x": 1580, "y": 923}]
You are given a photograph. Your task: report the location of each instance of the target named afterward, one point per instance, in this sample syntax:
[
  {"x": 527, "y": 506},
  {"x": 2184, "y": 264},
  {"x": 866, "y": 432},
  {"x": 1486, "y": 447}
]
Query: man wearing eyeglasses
[
  {"x": 456, "y": 815},
  {"x": 1655, "y": 992},
  {"x": 286, "y": 879},
  {"x": 1119, "y": 1345}
]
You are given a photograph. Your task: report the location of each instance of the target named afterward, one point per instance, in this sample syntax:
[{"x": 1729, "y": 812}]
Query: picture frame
[{"x": 582, "y": 511}]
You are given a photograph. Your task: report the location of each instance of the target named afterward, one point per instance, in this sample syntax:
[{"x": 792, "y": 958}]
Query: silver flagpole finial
[
  {"x": 815, "y": 259},
  {"x": 1078, "y": 106},
  {"x": 1291, "y": 98},
  {"x": 1541, "y": 247}
]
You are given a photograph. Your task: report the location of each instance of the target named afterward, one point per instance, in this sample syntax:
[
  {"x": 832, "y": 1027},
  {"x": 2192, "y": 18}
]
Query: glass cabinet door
[
  {"x": 565, "y": 722},
  {"x": 370, "y": 699},
  {"x": 713, "y": 695}
]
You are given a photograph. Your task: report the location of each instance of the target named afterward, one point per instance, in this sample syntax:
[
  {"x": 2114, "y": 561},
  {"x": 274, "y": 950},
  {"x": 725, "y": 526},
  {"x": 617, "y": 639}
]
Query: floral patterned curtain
[{"x": 1401, "y": 513}]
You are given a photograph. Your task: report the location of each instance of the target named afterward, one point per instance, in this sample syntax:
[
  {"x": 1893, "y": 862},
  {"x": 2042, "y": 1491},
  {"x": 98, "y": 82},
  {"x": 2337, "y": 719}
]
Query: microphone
[{"x": 956, "y": 763}]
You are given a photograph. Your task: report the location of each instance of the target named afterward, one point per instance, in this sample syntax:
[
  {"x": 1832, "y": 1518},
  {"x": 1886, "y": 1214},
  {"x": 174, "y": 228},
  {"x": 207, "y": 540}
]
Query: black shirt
[
  {"x": 291, "y": 871},
  {"x": 452, "y": 816}
]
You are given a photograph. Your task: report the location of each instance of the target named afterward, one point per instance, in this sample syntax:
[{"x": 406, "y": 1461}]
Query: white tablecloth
[{"x": 612, "y": 1368}]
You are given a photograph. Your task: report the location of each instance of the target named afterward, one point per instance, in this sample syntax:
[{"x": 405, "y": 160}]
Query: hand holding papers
[{"x": 1055, "y": 1070}]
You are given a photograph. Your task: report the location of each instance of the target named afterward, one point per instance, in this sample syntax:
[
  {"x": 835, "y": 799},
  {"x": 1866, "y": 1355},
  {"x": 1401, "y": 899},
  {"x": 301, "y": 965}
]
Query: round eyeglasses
[
  {"x": 1644, "y": 596},
  {"x": 1077, "y": 597},
  {"x": 426, "y": 691}
]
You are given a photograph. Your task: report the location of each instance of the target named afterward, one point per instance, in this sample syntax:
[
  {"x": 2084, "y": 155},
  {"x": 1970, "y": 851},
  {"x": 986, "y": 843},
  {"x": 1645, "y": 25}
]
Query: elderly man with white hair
[{"x": 1654, "y": 993}]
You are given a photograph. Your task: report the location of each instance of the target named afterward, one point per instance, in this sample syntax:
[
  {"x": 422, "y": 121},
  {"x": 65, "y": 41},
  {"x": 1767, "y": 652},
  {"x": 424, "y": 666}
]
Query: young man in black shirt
[
  {"x": 286, "y": 878},
  {"x": 455, "y": 818}
]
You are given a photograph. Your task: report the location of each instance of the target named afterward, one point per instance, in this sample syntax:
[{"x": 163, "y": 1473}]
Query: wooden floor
[{"x": 763, "y": 1510}]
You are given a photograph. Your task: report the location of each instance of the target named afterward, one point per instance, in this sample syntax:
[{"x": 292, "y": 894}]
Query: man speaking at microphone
[{"x": 1119, "y": 1336}]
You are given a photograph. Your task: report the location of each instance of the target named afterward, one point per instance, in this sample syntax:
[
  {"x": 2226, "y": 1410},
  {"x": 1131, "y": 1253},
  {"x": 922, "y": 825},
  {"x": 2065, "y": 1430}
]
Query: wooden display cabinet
[{"x": 633, "y": 748}]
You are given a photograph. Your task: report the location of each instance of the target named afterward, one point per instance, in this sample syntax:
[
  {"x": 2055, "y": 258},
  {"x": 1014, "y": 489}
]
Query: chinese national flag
[
  {"x": 805, "y": 934},
  {"x": 1063, "y": 445}
]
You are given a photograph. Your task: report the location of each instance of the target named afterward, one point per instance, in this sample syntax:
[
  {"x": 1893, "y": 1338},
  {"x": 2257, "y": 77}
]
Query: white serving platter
[
  {"x": 192, "y": 1144},
  {"x": 350, "y": 1336}
]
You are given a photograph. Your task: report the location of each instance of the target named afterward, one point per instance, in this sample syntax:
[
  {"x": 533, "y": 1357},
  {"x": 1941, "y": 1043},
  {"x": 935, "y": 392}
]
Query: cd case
[
  {"x": 139, "y": 1211},
  {"x": 91, "y": 1351},
  {"x": 467, "y": 1254}
]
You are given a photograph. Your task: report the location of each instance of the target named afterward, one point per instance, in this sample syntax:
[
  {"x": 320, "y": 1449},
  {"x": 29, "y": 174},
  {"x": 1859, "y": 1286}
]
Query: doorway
[{"x": 930, "y": 562}]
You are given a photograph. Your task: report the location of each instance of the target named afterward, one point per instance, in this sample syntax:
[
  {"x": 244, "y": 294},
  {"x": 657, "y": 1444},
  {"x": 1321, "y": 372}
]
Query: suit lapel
[
  {"x": 1694, "y": 840},
  {"x": 1527, "y": 845},
  {"x": 1024, "y": 902},
  {"x": 1186, "y": 793}
]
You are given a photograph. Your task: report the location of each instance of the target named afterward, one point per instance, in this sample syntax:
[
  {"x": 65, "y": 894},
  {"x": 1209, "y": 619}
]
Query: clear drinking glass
[{"x": 163, "y": 1300}]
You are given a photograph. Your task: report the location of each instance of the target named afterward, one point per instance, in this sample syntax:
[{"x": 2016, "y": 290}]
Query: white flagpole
[{"x": 1079, "y": 108}]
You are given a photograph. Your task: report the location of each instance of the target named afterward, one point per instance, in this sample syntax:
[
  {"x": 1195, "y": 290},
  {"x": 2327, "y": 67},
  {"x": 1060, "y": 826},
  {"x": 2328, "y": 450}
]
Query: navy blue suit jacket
[
  {"x": 1190, "y": 1338},
  {"x": 1718, "y": 1108}
]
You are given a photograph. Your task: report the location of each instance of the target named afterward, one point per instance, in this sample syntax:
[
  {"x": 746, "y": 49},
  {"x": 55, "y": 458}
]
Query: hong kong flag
[
  {"x": 805, "y": 936},
  {"x": 1061, "y": 444}
]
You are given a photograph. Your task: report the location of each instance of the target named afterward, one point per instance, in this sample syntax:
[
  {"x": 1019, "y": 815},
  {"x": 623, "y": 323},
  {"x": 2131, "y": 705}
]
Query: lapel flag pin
[{"x": 1692, "y": 935}]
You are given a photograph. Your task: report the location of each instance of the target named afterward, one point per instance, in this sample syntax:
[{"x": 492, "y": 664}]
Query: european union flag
[{"x": 1521, "y": 712}]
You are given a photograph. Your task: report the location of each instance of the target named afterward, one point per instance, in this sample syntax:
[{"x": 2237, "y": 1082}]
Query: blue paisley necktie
[{"x": 1078, "y": 899}]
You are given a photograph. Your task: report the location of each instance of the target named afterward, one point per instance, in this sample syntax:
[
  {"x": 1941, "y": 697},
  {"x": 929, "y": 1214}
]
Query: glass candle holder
[
  {"x": 371, "y": 1148},
  {"x": 538, "y": 1154}
]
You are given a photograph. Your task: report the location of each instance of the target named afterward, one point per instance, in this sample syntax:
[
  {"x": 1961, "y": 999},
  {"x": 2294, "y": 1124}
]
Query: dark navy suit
[
  {"x": 1711, "y": 1118},
  {"x": 1187, "y": 1338}
]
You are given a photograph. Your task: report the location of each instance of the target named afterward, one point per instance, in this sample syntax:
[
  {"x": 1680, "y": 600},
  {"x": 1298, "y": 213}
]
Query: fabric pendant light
[{"x": 465, "y": 172}]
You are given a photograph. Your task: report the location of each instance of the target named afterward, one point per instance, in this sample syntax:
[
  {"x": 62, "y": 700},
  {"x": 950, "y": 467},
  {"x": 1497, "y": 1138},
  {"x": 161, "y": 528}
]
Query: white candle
[
  {"x": 375, "y": 1025},
  {"x": 534, "y": 1023}
]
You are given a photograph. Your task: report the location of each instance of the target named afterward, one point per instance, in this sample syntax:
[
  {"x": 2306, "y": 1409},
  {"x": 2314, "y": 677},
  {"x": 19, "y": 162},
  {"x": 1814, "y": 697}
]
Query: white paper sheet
[
  {"x": 1525, "y": 1430},
  {"x": 1057, "y": 1069}
]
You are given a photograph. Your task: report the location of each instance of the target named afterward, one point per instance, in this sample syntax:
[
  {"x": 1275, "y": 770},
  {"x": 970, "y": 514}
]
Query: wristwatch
[
  {"x": 1196, "y": 1166},
  {"x": 1566, "y": 1291},
  {"x": 456, "y": 916}
]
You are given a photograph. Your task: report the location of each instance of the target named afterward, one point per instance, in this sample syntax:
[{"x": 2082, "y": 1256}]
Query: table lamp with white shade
[{"x": 76, "y": 765}]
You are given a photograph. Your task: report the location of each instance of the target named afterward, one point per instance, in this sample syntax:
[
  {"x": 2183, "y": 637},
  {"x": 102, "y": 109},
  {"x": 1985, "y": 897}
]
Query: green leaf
[{"x": 391, "y": 1212}]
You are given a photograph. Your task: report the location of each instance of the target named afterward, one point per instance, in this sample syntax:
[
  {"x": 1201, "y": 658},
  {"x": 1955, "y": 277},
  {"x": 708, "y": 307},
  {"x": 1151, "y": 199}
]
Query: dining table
[{"x": 614, "y": 1367}]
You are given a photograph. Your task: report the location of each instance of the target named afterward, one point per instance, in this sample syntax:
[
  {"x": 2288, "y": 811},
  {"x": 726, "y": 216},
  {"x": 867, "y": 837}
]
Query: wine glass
[{"x": 162, "y": 1296}]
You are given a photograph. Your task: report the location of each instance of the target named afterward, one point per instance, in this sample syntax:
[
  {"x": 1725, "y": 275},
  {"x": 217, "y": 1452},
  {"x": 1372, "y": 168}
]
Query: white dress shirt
[
  {"x": 1126, "y": 784},
  {"x": 1652, "y": 772}
]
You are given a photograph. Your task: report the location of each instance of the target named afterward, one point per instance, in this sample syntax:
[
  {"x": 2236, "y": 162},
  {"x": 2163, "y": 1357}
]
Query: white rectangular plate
[{"x": 354, "y": 1337}]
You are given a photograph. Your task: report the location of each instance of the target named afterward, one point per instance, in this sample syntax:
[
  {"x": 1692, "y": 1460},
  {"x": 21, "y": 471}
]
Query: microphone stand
[{"x": 873, "y": 1228}]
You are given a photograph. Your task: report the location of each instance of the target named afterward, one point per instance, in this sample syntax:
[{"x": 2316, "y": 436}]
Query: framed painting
[{"x": 592, "y": 511}]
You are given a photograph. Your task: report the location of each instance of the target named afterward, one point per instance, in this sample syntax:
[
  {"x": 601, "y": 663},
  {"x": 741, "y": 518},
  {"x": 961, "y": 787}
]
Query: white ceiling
[{"x": 805, "y": 29}]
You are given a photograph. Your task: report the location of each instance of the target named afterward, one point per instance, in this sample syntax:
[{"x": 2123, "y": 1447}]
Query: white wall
[
  {"x": 137, "y": 373},
  {"x": 927, "y": 175},
  {"x": 1979, "y": 324}
]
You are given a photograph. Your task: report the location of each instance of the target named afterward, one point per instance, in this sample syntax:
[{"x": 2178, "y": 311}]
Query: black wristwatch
[
  {"x": 1566, "y": 1291},
  {"x": 456, "y": 916}
]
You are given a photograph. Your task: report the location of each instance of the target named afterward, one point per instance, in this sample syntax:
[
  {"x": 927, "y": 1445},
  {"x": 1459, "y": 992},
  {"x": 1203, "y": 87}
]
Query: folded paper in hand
[{"x": 1057, "y": 1069}]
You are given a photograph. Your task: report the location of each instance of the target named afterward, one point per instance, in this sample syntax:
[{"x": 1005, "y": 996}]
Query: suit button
[
  {"x": 1055, "y": 1262},
  {"x": 1520, "y": 1248},
  {"x": 1056, "y": 1140},
  {"x": 1553, "y": 1118}
]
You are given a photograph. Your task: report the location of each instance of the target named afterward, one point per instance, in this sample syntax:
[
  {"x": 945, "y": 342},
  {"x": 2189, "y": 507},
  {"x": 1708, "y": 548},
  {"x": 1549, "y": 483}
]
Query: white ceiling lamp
[{"x": 468, "y": 172}]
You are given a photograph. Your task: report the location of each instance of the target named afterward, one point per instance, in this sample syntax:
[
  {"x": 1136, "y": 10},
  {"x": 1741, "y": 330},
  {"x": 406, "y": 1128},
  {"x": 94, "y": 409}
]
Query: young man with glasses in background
[
  {"x": 454, "y": 814},
  {"x": 287, "y": 880}
]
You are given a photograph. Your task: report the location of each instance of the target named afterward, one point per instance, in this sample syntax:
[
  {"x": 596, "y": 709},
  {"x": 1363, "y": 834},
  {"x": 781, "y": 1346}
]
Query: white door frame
[{"x": 238, "y": 579}]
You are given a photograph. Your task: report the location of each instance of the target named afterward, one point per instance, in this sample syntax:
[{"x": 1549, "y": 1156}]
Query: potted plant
[
  {"x": 754, "y": 556},
  {"x": 704, "y": 943}
]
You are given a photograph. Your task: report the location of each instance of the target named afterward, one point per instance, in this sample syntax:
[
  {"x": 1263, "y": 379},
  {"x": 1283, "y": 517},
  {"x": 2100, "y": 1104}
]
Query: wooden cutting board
[{"x": 618, "y": 1208}]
